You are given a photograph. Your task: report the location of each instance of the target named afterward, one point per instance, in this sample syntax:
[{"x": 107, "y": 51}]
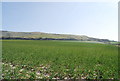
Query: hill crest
[{"x": 52, "y": 36}]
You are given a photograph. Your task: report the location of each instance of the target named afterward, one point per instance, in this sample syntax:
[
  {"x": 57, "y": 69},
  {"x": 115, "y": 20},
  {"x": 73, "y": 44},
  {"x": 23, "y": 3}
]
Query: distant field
[{"x": 41, "y": 59}]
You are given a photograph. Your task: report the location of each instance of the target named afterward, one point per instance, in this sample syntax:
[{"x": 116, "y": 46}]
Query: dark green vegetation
[{"x": 38, "y": 59}]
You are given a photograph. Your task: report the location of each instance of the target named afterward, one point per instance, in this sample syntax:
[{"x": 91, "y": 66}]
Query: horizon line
[{"x": 60, "y": 33}]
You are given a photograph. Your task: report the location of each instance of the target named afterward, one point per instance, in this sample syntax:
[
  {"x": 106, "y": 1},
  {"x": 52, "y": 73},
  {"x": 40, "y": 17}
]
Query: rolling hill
[{"x": 48, "y": 36}]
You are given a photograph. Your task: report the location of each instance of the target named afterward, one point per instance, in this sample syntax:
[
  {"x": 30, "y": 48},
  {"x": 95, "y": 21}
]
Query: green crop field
[{"x": 43, "y": 59}]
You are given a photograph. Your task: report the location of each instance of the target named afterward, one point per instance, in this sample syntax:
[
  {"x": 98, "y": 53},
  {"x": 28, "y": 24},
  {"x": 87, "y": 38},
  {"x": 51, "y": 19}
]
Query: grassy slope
[
  {"x": 35, "y": 35},
  {"x": 66, "y": 59},
  {"x": 40, "y": 35}
]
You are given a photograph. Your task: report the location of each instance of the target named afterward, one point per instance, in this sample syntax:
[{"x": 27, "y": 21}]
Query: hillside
[{"x": 48, "y": 36}]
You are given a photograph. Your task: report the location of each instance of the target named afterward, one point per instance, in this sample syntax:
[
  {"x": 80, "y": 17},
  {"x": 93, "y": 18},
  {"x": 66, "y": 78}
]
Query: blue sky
[{"x": 94, "y": 19}]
